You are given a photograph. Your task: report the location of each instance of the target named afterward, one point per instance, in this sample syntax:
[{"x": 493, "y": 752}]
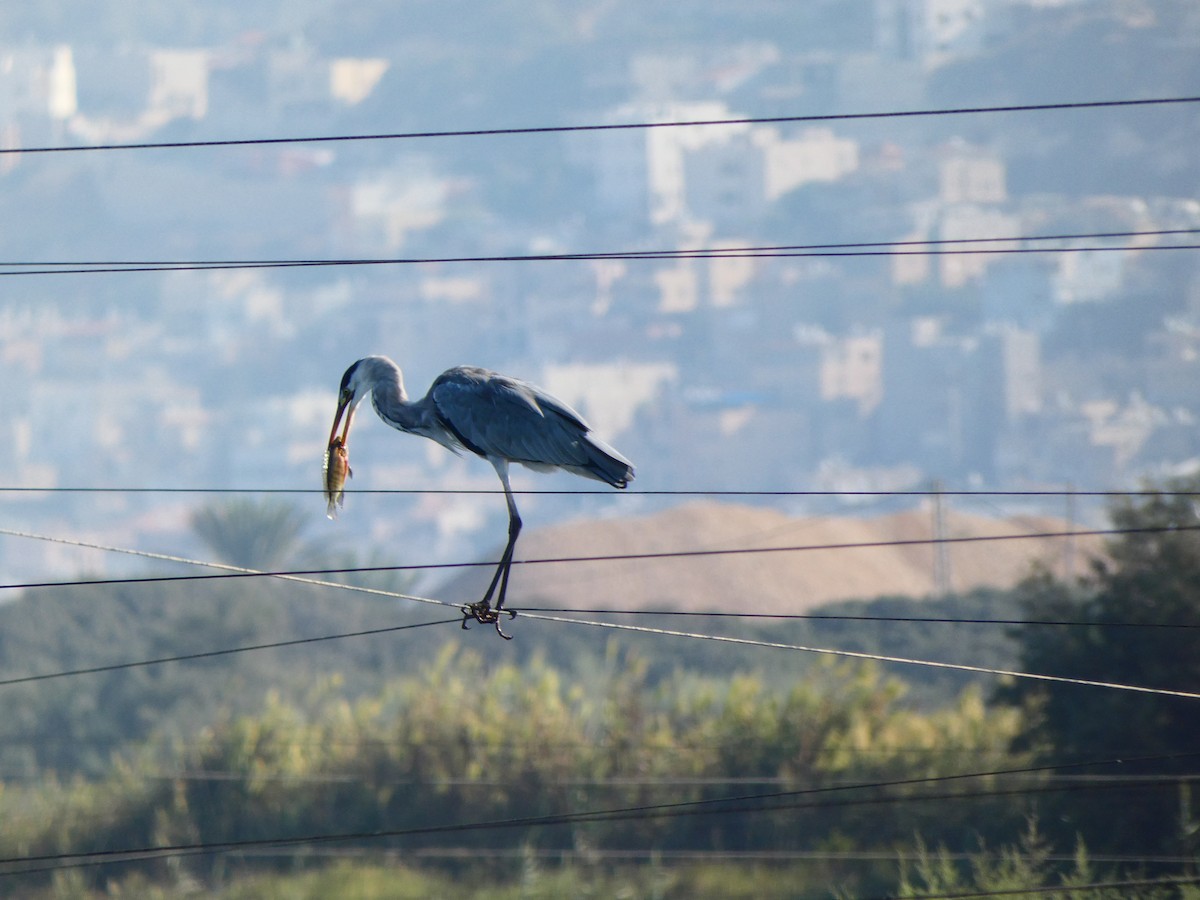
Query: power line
[
  {"x": 831, "y": 617},
  {"x": 627, "y": 126},
  {"x": 613, "y": 557},
  {"x": 210, "y": 654},
  {"x": 626, "y": 254},
  {"x": 615, "y": 783},
  {"x": 708, "y": 614},
  {"x": 239, "y": 571},
  {"x": 778, "y": 800},
  {"x": 932, "y": 247},
  {"x": 635, "y": 855},
  {"x": 167, "y": 557},
  {"x": 650, "y": 743},
  {"x": 1115, "y": 493},
  {"x": 874, "y": 657},
  {"x": 531, "y": 614},
  {"x": 744, "y": 642},
  {"x": 640, "y": 629}
]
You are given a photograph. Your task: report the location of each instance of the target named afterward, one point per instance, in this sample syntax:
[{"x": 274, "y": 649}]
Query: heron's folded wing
[{"x": 497, "y": 416}]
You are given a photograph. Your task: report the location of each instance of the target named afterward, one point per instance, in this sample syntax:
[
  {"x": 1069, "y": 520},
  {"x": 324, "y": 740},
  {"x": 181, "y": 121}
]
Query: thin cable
[
  {"x": 111, "y": 269},
  {"x": 628, "y": 254},
  {"x": 629, "y": 126},
  {"x": 166, "y": 557},
  {"x": 617, "y": 626},
  {"x": 875, "y": 657},
  {"x": 212, "y": 653},
  {"x": 1103, "y": 493},
  {"x": 831, "y": 617},
  {"x": 241, "y": 570},
  {"x": 709, "y": 806},
  {"x": 614, "y": 557},
  {"x": 642, "y": 629},
  {"x": 476, "y": 852},
  {"x": 209, "y": 654}
]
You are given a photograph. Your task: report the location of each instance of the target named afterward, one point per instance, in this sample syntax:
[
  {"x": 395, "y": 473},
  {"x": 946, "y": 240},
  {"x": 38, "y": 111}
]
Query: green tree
[
  {"x": 251, "y": 533},
  {"x": 1143, "y": 603},
  {"x": 1031, "y": 865}
]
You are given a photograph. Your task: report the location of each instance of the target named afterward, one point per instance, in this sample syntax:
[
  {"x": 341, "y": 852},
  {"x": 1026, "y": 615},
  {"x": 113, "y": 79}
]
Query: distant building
[
  {"x": 931, "y": 414},
  {"x": 669, "y": 149},
  {"x": 37, "y": 96},
  {"x": 971, "y": 204},
  {"x": 722, "y": 181},
  {"x": 296, "y": 81},
  {"x": 734, "y": 180},
  {"x": 383, "y": 209},
  {"x": 1122, "y": 428},
  {"x": 1172, "y": 368},
  {"x": 609, "y": 394},
  {"x": 351, "y": 81},
  {"x": 964, "y": 222},
  {"x": 178, "y": 84},
  {"x": 37, "y": 82},
  {"x": 1089, "y": 275},
  {"x": 816, "y": 154},
  {"x": 968, "y": 174},
  {"x": 1012, "y": 363},
  {"x": 852, "y": 369},
  {"x": 168, "y": 84},
  {"x": 930, "y": 31}
]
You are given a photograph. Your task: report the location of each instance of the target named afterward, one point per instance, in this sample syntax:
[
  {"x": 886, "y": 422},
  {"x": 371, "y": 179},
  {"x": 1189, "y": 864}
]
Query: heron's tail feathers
[{"x": 604, "y": 464}]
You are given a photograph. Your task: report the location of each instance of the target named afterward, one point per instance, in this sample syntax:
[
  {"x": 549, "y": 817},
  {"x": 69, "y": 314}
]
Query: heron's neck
[{"x": 392, "y": 405}]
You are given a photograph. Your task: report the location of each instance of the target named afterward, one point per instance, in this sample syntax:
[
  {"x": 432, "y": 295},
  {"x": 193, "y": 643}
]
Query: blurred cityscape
[{"x": 869, "y": 371}]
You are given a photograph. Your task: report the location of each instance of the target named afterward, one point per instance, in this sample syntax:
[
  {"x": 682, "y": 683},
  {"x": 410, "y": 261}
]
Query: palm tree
[{"x": 255, "y": 534}]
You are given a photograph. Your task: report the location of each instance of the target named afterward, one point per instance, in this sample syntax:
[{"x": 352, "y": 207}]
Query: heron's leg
[
  {"x": 483, "y": 611},
  {"x": 500, "y": 578},
  {"x": 514, "y": 531}
]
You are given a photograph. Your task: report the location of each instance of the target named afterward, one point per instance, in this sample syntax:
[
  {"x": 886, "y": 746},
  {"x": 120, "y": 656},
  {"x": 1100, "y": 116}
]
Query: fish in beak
[
  {"x": 337, "y": 470},
  {"x": 337, "y": 458}
]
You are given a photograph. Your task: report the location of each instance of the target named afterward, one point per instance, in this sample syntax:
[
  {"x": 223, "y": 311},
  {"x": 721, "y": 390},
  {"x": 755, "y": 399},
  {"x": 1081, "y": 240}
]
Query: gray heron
[{"x": 502, "y": 419}]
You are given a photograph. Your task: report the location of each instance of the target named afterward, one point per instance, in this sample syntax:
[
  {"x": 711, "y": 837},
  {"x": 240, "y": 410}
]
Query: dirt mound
[{"x": 805, "y": 564}]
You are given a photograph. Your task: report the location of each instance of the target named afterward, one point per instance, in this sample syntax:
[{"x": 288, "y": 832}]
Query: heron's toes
[{"x": 485, "y": 613}]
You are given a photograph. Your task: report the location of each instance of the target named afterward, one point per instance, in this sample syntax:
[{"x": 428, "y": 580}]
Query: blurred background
[{"x": 805, "y": 325}]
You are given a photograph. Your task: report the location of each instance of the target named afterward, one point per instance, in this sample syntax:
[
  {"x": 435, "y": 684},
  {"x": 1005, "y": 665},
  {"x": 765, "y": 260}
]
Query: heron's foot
[{"x": 483, "y": 612}]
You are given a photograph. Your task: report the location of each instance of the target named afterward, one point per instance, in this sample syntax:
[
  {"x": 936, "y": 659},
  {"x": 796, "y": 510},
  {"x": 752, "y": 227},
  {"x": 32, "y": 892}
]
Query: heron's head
[
  {"x": 364, "y": 376},
  {"x": 351, "y": 392},
  {"x": 367, "y": 375}
]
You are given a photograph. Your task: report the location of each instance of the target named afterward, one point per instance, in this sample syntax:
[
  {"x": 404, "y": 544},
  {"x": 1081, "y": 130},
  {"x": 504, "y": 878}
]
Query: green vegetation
[
  {"x": 1028, "y": 865},
  {"x": 442, "y": 764},
  {"x": 460, "y": 744},
  {"x": 250, "y": 533},
  {"x": 1145, "y": 603}
]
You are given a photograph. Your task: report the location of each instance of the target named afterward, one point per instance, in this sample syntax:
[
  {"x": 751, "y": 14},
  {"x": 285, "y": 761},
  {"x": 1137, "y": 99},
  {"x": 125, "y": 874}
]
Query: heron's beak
[{"x": 344, "y": 407}]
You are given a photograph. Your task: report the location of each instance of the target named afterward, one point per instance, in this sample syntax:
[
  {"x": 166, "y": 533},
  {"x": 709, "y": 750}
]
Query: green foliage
[
  {"x": 398, "y": 881},
  {"x": 1028, "y": 865},
  {"x": 1151, "y": 579},
  {"x": 887, "y": 633},
  {"x": 75, "y": 725},
  {"x": 254, "y": 534},
  {"x": 464, "y": 742}
]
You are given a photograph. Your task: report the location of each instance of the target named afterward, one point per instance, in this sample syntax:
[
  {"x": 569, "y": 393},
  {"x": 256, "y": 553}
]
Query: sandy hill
[{"x": 783, "y": 581}]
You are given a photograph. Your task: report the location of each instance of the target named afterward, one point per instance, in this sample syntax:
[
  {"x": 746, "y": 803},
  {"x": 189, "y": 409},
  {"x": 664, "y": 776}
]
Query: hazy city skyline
[{"x": 1001, "y": 370}]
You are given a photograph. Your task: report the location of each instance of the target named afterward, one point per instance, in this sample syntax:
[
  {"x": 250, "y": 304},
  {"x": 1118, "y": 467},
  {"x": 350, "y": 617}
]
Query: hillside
[{"x": 784, "y": 582}]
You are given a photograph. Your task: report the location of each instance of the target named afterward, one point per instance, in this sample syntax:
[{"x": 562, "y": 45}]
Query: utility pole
[
  {"x": 1069, "y": 547},
  {"x": 941, "y": 551}
]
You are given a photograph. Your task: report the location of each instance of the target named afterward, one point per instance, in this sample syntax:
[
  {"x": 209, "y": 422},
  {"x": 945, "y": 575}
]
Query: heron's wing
[{"x": 497, "y": 416}]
